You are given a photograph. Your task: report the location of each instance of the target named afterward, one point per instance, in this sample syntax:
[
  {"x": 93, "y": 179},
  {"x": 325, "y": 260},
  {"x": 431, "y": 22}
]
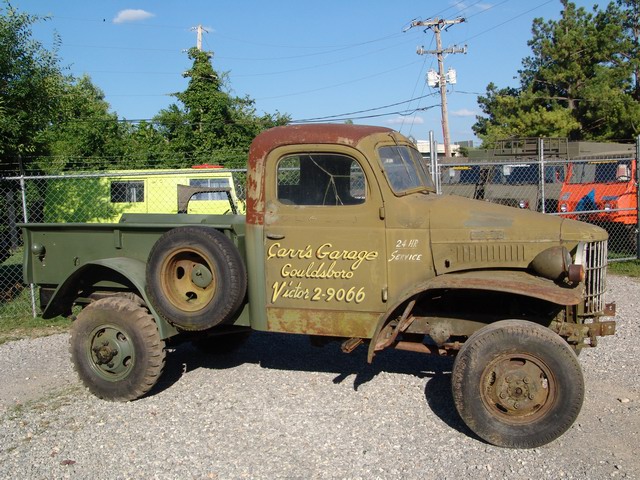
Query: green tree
[
  {"x": 30, "y": 82},
  {"x": 145, "y": 147},
  {"x": 521, "y": 113},
  {"x": 577, "y": 83},
  {"x": 84, "y": 134},
  {"x": 628, "y": 11},
  {"x": 212, "y": 125}
]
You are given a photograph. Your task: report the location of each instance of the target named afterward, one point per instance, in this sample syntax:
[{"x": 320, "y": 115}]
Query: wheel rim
[
  {"x": 518, "y": 388},
  {"x": 188, "y": 280},
  {"x": 111, "y": 353}
]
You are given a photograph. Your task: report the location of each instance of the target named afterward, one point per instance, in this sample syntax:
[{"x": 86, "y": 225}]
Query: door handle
[{"x": 275, "y": 236}]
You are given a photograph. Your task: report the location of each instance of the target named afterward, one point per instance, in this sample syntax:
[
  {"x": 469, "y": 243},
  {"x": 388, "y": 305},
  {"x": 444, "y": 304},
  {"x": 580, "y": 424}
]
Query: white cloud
[
  {"x": 405, "y": 120},
  {"x": 463, "y": 112},
  {"x": 132, "y": 15}
]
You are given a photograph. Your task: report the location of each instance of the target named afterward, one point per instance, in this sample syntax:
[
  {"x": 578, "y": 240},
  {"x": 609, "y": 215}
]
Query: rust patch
[
  {"x": 316, "y": 322},
  {"x": 610, "y": 310}
]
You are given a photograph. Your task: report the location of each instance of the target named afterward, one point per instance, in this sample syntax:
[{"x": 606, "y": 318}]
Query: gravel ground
[{"x": 281, "y": 408}]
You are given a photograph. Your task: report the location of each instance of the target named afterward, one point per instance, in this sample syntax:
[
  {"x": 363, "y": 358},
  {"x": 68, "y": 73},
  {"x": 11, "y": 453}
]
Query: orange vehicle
[{"x": 604, "y": 192}]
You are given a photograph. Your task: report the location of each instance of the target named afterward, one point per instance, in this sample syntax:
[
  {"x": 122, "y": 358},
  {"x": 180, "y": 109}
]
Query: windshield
[
  {"x": 600, "y": 172},
  {"x": 405, "y": 169}
]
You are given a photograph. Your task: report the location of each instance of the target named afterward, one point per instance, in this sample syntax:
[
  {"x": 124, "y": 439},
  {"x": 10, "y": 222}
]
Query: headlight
[{"x": 553, "y": 263}]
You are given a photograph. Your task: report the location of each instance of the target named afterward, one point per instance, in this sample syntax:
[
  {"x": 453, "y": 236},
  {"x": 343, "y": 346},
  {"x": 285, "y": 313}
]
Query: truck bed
[{"x": 58, "y": 249}]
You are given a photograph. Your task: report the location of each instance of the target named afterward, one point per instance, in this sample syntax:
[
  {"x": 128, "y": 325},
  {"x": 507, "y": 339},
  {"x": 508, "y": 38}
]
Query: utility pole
[
  {"x": 199, "y": 29},
  {"x": 436, "y": 25}
]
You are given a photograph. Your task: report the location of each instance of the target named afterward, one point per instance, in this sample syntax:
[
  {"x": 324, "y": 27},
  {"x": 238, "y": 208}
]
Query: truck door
[{"x": 324, "y": 243}]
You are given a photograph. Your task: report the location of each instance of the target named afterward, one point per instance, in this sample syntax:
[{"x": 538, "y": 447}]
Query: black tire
[
  {"x": 196, "y": 278},
  {"x": 116, "y": 349},
  {"x": 517, "y": 384},
  {"x": 221, "y": 344}
]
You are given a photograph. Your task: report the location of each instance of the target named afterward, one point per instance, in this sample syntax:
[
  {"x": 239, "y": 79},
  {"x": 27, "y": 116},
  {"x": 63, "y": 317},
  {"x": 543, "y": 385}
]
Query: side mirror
[{"x": 623, "y": 173}]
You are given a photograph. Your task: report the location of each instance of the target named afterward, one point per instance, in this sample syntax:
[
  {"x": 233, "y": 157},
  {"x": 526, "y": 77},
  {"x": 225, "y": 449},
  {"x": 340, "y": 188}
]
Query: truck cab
[
  {"x": 347, "y": 227},
  {"x": 604, "y": 192}
]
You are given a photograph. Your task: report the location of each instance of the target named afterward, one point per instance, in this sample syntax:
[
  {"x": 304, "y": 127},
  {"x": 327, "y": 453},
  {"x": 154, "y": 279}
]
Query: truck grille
[{"x": 594, "y": 259}]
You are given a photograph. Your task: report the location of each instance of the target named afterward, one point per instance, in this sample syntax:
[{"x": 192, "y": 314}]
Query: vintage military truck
[{"x": 344, "y": 238}]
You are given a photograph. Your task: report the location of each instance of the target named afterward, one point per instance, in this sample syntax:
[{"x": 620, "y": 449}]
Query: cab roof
[{"x": 319, "y": 133}]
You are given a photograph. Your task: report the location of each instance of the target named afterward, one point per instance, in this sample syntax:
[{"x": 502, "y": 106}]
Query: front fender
[
  {"x": 507, "y": 281},
  {"x": 128, "y": 272}
]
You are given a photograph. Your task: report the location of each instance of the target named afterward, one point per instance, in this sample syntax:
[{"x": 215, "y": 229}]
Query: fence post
[
  {"x": 25, "y": 219},
  {"x": 637, "y": 181},
  {"x": 435, "y": 168},
  {"x": 541, "y": 174}
]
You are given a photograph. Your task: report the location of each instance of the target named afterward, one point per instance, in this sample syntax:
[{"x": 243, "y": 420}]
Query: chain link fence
[
  {"x": 521, "y": 184},
  {"x": 602, "y": 191},
  {"x": 100, "y": 197}
]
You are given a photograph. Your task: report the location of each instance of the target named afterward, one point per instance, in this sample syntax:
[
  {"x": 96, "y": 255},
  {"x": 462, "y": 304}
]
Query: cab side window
[
  {"x": 209, "y": 182},
  {"x": 320, "y": 179}
]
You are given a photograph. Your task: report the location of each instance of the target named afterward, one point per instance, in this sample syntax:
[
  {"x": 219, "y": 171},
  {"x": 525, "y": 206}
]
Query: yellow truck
[{"x": 104, "y": 197}]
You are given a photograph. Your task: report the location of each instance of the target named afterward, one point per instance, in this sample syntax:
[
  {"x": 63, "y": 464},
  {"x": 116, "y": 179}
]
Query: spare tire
[{"x": 196, "y": 278}]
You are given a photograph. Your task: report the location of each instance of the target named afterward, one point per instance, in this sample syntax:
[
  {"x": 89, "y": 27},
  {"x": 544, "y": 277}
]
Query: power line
[
  {"x": 489, "y": 29},
  {"x": 315, "y": 119},
  {"x": 414, "y": 91},
  {"x": 349, "y": 114},
  {"x": 338, "y": 84}
]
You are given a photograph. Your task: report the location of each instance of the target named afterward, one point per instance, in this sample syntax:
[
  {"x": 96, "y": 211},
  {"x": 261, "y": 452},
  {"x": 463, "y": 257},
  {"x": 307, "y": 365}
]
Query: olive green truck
[{"x": 344, "y": 239}]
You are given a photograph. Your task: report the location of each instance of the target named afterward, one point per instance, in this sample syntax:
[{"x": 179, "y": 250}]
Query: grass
[
  {"x": 29, "y": 327},
  {"x": 16, "y": 319},
  {"x": 630, "y": 268}
]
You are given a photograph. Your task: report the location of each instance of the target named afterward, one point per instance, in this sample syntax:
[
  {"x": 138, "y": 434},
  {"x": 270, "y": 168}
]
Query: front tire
[
  {"x": 116, "y": 349},
  {"x": 517, "y": 384}
]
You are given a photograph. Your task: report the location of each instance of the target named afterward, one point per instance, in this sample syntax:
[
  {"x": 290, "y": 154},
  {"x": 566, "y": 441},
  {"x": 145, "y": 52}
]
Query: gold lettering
[
  {"x": 357, "y": 256},
  {"x": 411, "y": 257},
  {"x": 321, "y": 271},
  {"x": 278, "y": 288},
  {"x": 276, "y": 251},
  {"x": 288, "y": 290}
]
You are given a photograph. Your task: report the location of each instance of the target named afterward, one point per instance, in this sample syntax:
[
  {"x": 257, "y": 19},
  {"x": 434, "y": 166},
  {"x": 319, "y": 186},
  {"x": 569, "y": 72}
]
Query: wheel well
[
  {"x": 444, "y": 318},
  {"x": 93, "y": 281},
  {"x": 79, "y": 287},
  {"x": 486, "y": 306}
]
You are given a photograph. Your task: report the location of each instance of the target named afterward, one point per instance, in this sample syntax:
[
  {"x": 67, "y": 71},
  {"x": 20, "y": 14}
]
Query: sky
[{"x": 334, "y": 59}]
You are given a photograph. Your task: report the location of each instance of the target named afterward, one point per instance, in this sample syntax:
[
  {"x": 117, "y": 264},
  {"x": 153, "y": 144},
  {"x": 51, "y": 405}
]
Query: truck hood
[{"x": 472, "y": 234}]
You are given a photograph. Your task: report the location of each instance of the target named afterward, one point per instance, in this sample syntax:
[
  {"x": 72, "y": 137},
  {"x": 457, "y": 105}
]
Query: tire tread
[{"x": 140, "y": 319}]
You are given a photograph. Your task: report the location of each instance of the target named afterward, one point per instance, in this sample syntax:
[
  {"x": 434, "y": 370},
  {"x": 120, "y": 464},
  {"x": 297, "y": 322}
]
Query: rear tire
[
  {"x": 116, "y": 349},
  {"x": 517, "y": 384}
]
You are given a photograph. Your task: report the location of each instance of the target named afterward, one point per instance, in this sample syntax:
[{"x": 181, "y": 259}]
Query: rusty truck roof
[{"x": 330, "y": 133}]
